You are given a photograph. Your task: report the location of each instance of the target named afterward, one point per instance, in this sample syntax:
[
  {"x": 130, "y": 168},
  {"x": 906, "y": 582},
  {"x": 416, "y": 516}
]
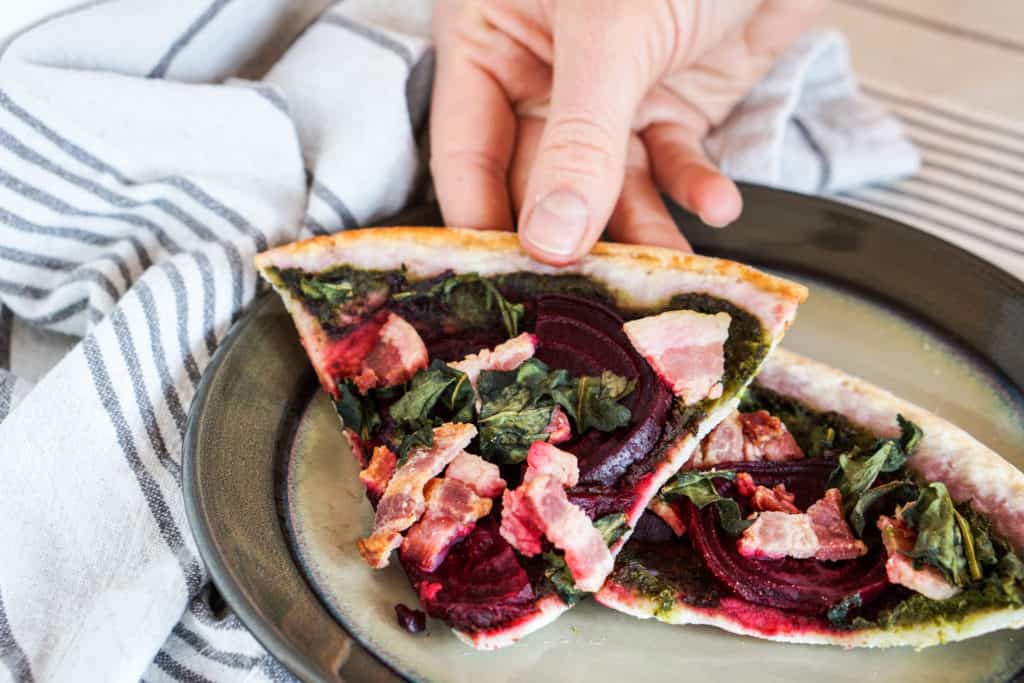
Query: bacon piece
[
  {"x": 835, "y": 538},
  {"x": 378, "y": 473},
  {"x": 481, "y": 476},
  {"x": 685, "y": 348},
  {"x": 763, "y": 499},
  {"x": 746, "y": 437},
  {"x": 775, "y": 535},
  {"x": 669, "y": 514},
  {"x": 507, "y": 355},
  {"x": 545, "y": 459},
  {"x": 403, "y": 503},
  {"x": 452, "y": 509},
  {"x": 398, "y": 354},
  {"x": 899, "y": 539},
  {"x": 723, "y": 444},
  {"x": 541, "y": 505},
  {"x": 558, "y": 430},
  {"x": 765, "y": 437},
  {"x": 745, "y": 485}
]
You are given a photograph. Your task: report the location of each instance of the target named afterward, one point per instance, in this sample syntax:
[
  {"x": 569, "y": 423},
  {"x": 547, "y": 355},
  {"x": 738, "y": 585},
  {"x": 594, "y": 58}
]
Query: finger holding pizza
[{"x": 564, "y": 118}]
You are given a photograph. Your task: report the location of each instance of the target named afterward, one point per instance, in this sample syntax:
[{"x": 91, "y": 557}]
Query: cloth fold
[{"x": 139, "y": 174}]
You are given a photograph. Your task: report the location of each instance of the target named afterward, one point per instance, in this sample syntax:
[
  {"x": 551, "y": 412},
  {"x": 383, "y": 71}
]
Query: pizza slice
[
  {"x": 513, "y": 420},
  {"x": 829, "y": 511}
]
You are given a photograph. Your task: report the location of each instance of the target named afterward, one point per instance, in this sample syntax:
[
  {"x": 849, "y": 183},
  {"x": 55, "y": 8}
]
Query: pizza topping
[
  {"x": 821, "y": 532},
  {"x": 545, "y": 459},
  {"x": 746, "y": 437},
  {"x": 835, "y": 540},
  {"x": 403, "y": 502},
  {"x": 397, "y": 354},
  {"x": 541, "y": 505},
  {"x": 412, "y": 620},
  {"x": 762, "y": 498},
  {"x": 378, "y": 472},
  {"x": 585, "y": 338},
  {"x": 775, "y": 535},
  {"x": 452, "y": 509},
  {"x": 669, "y": 513},
  {"x": 481, "y": 476},
  {"x": 899, "y": 540},
  {"x": 508, "y": 355},
  {"x": 686, "y": 349},
  {"x": 558, "y": 430}
]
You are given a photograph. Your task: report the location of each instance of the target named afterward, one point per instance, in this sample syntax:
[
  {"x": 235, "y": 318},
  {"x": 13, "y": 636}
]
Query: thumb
[{"x": 599, "y": 78}]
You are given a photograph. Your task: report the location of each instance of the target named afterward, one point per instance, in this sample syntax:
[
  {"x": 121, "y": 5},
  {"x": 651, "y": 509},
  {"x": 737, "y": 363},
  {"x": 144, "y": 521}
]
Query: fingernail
[
  {"x": 711, "y": 223},
  {"x": 558, "y": 223}
]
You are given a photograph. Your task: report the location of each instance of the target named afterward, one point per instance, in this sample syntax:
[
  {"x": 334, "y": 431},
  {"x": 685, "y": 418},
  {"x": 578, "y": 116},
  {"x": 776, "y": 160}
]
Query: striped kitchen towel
[{"x": 147, "y": 151}]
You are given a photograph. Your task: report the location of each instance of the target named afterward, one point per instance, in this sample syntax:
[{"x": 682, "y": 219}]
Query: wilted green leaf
[
  {"x": 939, "y": 542},
  {"x": 357, "y": 412},
  {"x": 612, "y": 527},
  {"x": 698, "y": 487}
]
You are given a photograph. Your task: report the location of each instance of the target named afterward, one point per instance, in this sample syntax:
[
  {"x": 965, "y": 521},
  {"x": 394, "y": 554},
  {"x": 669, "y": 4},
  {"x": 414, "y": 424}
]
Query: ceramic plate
[{"x": 276, "y": 507}]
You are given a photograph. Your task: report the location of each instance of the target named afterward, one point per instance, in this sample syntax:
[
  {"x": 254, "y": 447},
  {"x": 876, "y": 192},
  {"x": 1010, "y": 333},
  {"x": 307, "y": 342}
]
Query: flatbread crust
[
  {"x": 636, "y": 276},
  {"x": 947, "y": 454}
]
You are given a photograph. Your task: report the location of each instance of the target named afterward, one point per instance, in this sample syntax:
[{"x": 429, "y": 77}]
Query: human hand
[{"x": 629, "y": 89}]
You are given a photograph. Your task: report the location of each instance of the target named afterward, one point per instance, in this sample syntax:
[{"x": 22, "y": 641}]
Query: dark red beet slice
[
  {"x": 804, "y": 586},
  {"x": 479, "y": 586},
  {"x": 412, "y": 620},
  {"x": 586, "y": 337},
  {"x": 598, "y": 501}
]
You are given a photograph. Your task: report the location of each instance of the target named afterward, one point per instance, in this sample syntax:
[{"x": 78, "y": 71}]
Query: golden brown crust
[{"x": 638, "y": 276}]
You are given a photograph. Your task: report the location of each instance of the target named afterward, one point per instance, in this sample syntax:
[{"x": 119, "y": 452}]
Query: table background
[{"x": 953, "y": 71}]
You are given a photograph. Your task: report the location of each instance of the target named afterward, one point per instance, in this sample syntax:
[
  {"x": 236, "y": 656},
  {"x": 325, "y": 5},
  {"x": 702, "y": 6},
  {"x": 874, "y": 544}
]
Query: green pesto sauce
[
  {"x": 666, "y": 573},
  {"x": 818, "y": 433},
  {"x": 918, "y": 610}
]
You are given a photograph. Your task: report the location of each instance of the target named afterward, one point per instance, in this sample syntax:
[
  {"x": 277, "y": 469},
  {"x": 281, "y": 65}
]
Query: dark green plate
[{"x": 264, "y": 466}]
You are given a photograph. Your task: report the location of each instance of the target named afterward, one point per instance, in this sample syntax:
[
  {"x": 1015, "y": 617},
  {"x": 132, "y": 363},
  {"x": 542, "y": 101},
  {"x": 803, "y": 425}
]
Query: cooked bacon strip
[
  {"x": 762, "y": 498},
  {"x": 668, "y": 514},
  {"x": 481, "y": 476},
  {"x": 542, "y": 504},
  {"x": 746, "y": 437},
  {"x": 398, "y": 354},
  {"x": 379, "y": 472},
  {"x": 899, "y": 539},
  {"x": 403, "y": 503},
  {"x": 821, "y": 532},
  {"x": 558, "y": 430},
  {"x": 686, "y": 350},
  {"x": 775, "y": 535},
  {"x": 507, "y": 355},
  {"x": 452, "y": 509},
  {"x": 835, "y": 538},
  {"x": 765, "y": 437},
  {"x": 543, "y": 458}
]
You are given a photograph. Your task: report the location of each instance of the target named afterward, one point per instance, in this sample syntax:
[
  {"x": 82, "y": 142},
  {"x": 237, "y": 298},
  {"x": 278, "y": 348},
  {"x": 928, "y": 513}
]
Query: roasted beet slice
[
  {"x": 804, "y": 586},
  {"x": 480, "y": 585},
  {"x": 586, "y": 337}
]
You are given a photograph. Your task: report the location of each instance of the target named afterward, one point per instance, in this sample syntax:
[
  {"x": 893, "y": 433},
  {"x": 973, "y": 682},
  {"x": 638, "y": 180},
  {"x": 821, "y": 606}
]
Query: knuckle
[{"x": 579, "y": 145}]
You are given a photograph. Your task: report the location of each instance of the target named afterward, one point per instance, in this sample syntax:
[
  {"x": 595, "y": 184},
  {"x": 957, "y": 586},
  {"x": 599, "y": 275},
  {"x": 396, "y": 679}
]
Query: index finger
[{"x": 472, "y": 133}]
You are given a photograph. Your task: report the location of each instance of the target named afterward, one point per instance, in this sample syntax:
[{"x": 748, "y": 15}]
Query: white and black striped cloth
[{"x": 139, "y": 174}]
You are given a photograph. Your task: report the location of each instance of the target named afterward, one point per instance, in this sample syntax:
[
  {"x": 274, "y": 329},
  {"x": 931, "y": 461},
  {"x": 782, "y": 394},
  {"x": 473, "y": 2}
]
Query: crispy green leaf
[
  {"x": 910, "y": 435},
  {"x": 557, "y": 572},
  {"x": 857, "y": 474},
  {"x": 357, "y": 412},
  {"x": 593, "y": 402},
  {"x": 612, "y": 527},
  {"x": 332, "y": 292},
  {"x": 939, "y": 541},
  {"x": 438, "y": 390},
  {"x": 839, "y": 614},
  {"x": 698, "y": 487},
  {"x": 878, "y": 501}
]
